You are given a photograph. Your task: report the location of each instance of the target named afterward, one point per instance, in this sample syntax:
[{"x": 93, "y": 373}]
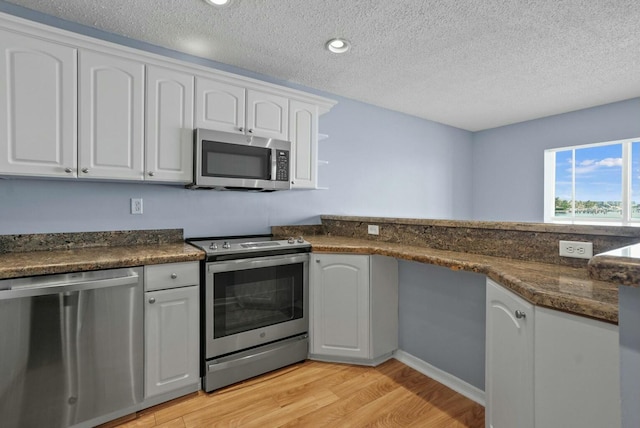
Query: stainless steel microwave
[{"x": 223, "y": 160}]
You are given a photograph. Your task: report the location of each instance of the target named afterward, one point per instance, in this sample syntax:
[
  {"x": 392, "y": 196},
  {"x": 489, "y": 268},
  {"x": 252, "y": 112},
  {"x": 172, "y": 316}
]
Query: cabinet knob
[
  {"x": 152, "y": 300},
  {"x": 519, "y": 314},
  {"x": 174, "y": 275},
  {"x": 317, "y": 260},
  {"x": 85, "y": 170},
  {"x": 68, "y": 170},
  {"x": 241, "y": 129},
  {"x": 250, "y": 131},
  {"x": 151, "y": 173}
]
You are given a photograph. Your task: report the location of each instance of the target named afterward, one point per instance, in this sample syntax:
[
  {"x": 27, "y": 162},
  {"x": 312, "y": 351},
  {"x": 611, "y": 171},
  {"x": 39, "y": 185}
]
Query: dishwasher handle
[{"x": 40, "y": 286}]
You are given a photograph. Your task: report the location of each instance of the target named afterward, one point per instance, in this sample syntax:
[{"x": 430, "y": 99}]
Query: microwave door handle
[{"x": 274, "y": 165}]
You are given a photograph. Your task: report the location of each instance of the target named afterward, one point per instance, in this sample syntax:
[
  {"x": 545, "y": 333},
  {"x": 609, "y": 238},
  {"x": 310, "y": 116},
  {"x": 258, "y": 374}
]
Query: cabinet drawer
[{"x": 171, "y": 275}]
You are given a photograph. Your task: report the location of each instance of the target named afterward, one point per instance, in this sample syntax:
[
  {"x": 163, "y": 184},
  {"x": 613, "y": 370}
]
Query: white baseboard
[{"x": 458, "y": 385}]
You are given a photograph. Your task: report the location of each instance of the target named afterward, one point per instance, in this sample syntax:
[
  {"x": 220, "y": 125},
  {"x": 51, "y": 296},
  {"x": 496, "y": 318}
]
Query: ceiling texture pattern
[{"x": 472, "y": 64}]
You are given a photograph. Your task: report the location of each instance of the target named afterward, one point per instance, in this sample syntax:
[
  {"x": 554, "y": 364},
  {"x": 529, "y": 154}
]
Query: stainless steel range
[{"x": 254, "y": 306}]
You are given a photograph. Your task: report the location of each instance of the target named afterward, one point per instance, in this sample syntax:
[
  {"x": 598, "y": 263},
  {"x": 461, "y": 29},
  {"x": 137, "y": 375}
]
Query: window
[{"x": 595, "y": 183}]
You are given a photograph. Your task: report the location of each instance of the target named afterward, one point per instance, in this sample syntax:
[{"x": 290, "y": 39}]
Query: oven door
[{"x": 250, "y": 302}]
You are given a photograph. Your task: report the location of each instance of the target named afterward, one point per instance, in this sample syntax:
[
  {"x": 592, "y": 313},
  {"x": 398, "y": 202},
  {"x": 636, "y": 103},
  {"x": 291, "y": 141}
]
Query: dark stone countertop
[
  {"x": 31, "y": 263},
  {"x": 565, "y": 288},
  {"x": 620, "y": 266}
]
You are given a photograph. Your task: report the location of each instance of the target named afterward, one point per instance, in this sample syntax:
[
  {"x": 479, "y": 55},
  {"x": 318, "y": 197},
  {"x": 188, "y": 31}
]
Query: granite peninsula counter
[
  {"x": 523, "y": 257},
  {"x": 534, "y": 271},
  {"x": 620, "y": 266},
  {"x": 559, "y": 287}
]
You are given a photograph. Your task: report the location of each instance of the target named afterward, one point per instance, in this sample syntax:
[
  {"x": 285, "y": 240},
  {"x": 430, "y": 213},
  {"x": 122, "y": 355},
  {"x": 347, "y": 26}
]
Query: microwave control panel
[{"x": 282, "y": 165}]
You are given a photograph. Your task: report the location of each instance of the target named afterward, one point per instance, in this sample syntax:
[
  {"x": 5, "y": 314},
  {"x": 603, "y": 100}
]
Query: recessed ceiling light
[
  {"x": 218, "y": 3},
  {"x": 337, "y": 45}
]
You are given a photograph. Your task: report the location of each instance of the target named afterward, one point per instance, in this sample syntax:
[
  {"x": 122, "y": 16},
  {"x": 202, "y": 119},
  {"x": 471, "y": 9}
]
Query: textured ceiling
[{"x": 473, "y": 64}]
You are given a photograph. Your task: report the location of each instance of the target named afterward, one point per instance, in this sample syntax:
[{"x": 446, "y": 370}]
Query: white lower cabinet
[
  {"x": 547, "y": 368},
  {"x": 509, "y": 359},
  {"x": 172, "y": 347},
  {"x": 353, "y": 308},
  {"x": 577, "y": 371}
]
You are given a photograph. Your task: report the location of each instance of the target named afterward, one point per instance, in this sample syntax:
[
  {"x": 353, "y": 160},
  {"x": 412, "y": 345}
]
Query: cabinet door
[
  {"x": 509, "y": 360},
  {"x": 577, "y": 371},
  {"x": 111, "y": 117},
  {"x": 169, "y": 126},
  {"x": 303, "y": 132},
  {"x": 267, "y": 115},
  {"x": 219, "y": 106},
  {"x": 38, "y": 107},
  {"x": 171, "y": 339},
  {"x": 339, "y": 291}
]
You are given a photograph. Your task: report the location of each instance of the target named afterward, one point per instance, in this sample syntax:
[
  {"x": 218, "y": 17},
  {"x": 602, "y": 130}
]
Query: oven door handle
[
  {"x": 258, "y": 262},
  {"x": 236, "y": 360}
]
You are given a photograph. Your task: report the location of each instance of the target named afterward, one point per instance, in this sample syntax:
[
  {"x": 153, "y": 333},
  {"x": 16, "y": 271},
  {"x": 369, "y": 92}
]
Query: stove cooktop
[{"x": 220, "y": 246}]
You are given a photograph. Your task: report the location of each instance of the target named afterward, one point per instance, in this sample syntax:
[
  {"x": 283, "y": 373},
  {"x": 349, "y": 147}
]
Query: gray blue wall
[
  {"x": 442, "y": 319},
  {"x": 508, "y": 162},
  {"x": 630, "y": 355},
  {"x": 381, "y": 163}
]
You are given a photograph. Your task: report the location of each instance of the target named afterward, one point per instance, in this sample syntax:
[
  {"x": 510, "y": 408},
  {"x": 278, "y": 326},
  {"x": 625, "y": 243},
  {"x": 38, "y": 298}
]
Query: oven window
[
  {"x": 248, "y": 299},
  {"x": 235, "y": 161}
]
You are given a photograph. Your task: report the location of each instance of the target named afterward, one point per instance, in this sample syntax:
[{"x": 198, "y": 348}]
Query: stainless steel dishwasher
[{"x": 71, "y": 347}]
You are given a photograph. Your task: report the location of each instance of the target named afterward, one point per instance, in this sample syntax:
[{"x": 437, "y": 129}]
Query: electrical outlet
[
  {"x": 578, "y": 250},
  {"x": 373, "y": 229},
  {"x": 136, "y": 205}
]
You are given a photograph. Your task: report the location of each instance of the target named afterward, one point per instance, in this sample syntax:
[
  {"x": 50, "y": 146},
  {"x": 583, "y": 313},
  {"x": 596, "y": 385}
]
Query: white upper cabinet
[
  {"x": 227, "y": 107},
  {"x": 267, "y": 115},
  {"x": 219, "y": 105},
  {"x": 303, "y": 132},
  {"x": 111, "y": 120},
  {"x": 169, "y": 125},
  {"x": 76, "y": 107},
  {"x": 38, "y": 107}
]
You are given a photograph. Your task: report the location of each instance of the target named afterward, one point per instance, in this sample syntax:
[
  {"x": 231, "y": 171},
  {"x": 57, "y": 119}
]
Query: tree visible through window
[{"x": 596, "y": 183}]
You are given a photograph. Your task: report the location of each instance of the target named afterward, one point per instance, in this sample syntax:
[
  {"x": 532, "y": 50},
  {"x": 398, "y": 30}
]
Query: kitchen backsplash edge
[
  {"x": 70, "y": 241},
  {"x": 536, "y": 242}
]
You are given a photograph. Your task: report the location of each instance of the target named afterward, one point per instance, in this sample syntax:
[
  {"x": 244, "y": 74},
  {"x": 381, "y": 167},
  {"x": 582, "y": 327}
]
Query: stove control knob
[
  {"x": 291, "y": 240},
  {"x": 226, "y": 245},
  {"x": 213, "y": 246},
  {"x": 300, "y": 240}
]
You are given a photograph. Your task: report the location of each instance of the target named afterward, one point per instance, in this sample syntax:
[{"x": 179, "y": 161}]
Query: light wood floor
[{"x": 315, "y": 394}]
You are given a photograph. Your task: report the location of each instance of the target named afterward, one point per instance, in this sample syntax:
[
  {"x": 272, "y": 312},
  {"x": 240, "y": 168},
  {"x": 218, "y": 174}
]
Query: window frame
[{"x": 626, "y": 182}]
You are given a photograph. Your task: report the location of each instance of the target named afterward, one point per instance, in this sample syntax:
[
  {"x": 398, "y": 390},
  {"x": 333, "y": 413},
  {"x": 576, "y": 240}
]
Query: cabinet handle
[
  {"x": 520, "y": 314},
  {"x": 151, "y": 173},
  {"x": 174, "y": 275},
  {"x": 68, "y": 170},
  {"x": 152, "y": 300},
  {"x": 85, "y": 170}
]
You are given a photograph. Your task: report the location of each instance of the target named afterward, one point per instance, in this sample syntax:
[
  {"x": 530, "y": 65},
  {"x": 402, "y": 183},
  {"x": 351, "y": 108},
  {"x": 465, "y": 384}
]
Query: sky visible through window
[{"x": 598, "y": 180}]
